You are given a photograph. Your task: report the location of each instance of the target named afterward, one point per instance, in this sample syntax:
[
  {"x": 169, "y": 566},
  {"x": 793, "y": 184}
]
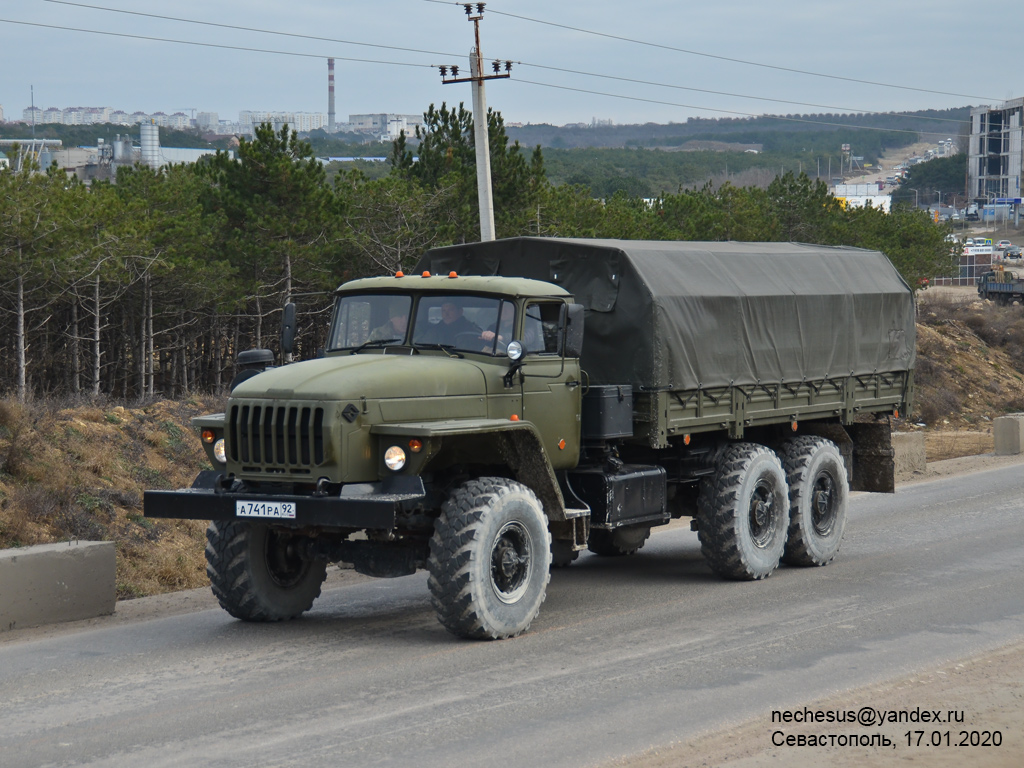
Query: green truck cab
[{"x": 510, "y": 404}]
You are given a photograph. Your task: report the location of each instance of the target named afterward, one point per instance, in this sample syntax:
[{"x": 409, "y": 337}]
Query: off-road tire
[
  {"x": 489, "y": 559},
  {"x": 254, "y": 574},
  {"x": 562, "y": 553},
  {"x": 743, "y": 513},
  {"x": 618, "y": 542},
  {"x": 818, "y": 495}
]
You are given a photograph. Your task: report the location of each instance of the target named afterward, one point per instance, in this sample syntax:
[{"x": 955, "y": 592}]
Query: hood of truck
[{"x": 373, "y": 376}]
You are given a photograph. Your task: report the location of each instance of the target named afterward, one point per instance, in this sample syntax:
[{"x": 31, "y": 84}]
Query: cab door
[{"x": 550, "y": 383}]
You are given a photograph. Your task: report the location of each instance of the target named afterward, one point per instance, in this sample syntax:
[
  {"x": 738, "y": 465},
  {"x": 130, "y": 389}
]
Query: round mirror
[{"x": 515, "y": 350}]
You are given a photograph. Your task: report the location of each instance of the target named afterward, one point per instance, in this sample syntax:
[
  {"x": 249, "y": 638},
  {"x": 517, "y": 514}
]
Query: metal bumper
[{"x": 375, "y": 506}]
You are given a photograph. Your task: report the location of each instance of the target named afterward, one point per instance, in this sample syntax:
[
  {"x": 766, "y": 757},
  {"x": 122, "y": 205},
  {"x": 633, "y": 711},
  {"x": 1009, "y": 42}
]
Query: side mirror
[
  {"x": 288, "y": 329},
  {"x": 574, "y": 330}
]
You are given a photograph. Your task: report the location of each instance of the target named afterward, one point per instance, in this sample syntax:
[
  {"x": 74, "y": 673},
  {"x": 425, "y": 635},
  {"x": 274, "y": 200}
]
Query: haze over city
[{"x": 734, "y": 51}]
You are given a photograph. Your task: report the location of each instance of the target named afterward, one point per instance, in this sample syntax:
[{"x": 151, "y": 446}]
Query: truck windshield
[
  {"x": 372, "y": 318},
  {"x": 460, "y": 322}
]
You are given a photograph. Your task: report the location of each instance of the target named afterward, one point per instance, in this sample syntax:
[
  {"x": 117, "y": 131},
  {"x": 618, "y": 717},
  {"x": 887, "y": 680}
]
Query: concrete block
[
  {"x": 51, "y": 583},
  {"x": 1008, "y": 432},
  {"x": 908, "y": 448}
]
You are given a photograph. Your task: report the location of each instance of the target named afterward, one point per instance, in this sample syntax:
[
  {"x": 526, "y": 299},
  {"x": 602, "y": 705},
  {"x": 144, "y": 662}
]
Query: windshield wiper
[
  {"x": 447, "y": 348},
  {"x": 375, "y": 343}
]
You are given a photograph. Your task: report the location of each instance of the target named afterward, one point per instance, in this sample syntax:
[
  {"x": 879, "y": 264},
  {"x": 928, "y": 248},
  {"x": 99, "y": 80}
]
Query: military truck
[
  {"x": 1001, "y": 285},
  {"x": 510, "y": 404}
]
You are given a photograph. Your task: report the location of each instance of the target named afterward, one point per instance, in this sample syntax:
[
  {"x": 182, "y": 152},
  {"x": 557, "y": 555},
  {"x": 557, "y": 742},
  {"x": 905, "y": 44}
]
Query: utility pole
[{"x": 475, "y": 12}]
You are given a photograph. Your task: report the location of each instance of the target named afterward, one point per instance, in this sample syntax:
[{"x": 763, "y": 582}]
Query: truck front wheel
[
  {"x": 743, "y": 513},
  {"x": 818, "y": 492},
  {"x": 255, "y": 573},
  {"x": 489, "y": 559}
]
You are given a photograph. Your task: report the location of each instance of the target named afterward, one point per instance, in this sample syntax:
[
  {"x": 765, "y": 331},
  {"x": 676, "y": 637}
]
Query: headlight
[
  {"x": 514, "y": 350},
  {"x": 219, "y": 452},
  {"x": 394, "y": 457}
]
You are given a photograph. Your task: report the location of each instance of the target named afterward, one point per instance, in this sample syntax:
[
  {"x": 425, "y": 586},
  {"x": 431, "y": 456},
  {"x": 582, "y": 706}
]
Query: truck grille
[{"x": 276, "y": 438}]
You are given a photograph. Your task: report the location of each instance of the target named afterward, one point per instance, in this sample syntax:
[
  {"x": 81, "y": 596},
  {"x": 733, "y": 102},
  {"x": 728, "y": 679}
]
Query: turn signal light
[
  {"x": 208, "y": 436},
  {"x": 415, "y": 445}
]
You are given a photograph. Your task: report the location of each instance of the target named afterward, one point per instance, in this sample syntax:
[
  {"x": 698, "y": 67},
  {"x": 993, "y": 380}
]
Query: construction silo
[{"x": 150, "y": 141}]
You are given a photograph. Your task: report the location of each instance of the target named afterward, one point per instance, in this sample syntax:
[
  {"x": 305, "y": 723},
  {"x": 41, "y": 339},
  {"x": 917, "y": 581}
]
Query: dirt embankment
[{"x": 80, "y": 472}]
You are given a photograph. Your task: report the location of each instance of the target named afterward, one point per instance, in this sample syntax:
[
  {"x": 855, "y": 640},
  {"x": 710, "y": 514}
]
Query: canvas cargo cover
[{"x": 686, "y": 315}]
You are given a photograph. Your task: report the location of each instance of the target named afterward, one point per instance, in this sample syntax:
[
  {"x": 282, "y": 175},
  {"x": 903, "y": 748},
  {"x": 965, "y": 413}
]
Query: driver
[{"x": 452, "y": 324}]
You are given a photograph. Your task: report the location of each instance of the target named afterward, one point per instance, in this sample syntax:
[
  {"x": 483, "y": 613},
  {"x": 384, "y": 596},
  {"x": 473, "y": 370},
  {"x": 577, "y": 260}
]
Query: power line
[
  {"x": 215, "y": 45},
  {"x": 723, "y": 58},
  {"x": 248, "y": 29},
  {"x": 450, "y": 55},
  {"x": 724, "y": 111},
  {"x": 726, "y": 93}
]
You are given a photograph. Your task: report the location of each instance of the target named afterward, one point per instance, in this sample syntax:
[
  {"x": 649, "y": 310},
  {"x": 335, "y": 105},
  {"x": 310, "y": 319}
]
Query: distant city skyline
[{"x": 706, "y": 53}]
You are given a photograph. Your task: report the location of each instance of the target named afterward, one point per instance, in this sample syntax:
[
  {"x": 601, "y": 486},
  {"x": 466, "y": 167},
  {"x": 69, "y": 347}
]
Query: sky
[{"x": 738, "y": 53}]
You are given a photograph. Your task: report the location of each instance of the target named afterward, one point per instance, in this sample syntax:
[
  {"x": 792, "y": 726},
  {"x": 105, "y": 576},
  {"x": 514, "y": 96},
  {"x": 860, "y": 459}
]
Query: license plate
[{"x": 272, "y": 509}]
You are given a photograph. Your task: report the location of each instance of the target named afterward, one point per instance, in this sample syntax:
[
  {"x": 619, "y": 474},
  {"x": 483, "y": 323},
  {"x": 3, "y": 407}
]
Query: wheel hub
[
  {"x": 823, "y": 505},
  {"x": 762, "y": 514},
  {"x": 510, "y": 562}
]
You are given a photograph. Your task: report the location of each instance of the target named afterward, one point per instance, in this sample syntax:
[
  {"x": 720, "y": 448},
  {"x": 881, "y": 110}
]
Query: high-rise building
[{"x": 995, "y": 162}]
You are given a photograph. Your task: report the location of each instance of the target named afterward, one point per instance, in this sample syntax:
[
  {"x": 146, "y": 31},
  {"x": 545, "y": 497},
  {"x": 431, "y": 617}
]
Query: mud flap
[{"x": 874, "y": 466}]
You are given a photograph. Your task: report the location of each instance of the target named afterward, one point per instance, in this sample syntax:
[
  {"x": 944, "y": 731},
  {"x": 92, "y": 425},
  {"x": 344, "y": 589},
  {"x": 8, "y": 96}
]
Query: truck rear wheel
[
  {"x": 256, "y": 575},
  {"x": 618, "y": 542},
  {"x": 818, "y": 493},
  {"x": 489, "y": 559},
  {"x": 563, "y": 554},
  {"x": 743, "y": 513}
]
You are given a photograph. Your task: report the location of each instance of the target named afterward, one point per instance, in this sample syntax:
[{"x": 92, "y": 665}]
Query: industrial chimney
[{"x": 330, "y": 95}]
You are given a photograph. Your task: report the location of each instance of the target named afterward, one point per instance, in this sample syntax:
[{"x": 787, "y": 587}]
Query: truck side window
[{"x": 542, "y": 329}]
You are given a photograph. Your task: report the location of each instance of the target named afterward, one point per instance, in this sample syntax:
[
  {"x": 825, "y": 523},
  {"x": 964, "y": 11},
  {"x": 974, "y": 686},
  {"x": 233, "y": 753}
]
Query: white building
[
  {"x": 53, "y": 115},
  {"x": 386, "y": 125},
  {"x": 32, "y": 115},
  {"x": 207, "y": 121},
  {"x": 303, "y": 122},
  {"x": 2, "y": 115}
]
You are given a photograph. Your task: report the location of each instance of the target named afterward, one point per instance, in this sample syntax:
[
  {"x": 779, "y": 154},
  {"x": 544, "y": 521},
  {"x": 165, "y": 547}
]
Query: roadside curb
[{"x": 51, "y": 583}]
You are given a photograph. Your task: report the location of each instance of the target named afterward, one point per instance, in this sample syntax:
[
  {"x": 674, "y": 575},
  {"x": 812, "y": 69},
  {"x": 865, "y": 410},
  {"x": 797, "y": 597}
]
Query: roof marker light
[
  {"x": 426, "y": 274},
  {"x": 452, "y": 274},
  {"x": 399, "y": 273}
]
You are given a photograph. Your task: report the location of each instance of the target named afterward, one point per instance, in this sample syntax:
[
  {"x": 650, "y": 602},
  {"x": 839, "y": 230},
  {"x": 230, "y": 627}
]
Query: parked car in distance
[{"x": 1002, "y": 245}]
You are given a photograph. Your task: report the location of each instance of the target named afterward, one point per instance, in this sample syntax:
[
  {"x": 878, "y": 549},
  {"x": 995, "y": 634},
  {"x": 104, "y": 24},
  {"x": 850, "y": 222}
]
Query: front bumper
[{"x": 373, "y": 506}]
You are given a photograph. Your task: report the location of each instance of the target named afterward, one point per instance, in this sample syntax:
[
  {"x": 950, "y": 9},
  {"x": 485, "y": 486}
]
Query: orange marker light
[
  {"x": 426, "y": 274},
  {"x": 513, "y": 417},
  {"x": 792, "y": 425},
  {"x": 686, "y": 439},
  {"x": 896, "y": 412},
  {"x": 415, "y": 445},
  {"x": 399, "y": 273},
  {"x": 561, "y": 444},
  {"x": 208, "y": 436},
  {"x": 453, "y": 274}
]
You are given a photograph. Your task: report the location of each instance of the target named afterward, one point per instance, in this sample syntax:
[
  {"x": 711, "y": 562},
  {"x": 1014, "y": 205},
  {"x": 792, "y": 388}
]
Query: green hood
[{"x": 373, "y": 376}]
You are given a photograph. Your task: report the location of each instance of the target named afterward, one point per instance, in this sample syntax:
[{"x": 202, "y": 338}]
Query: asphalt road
[{"x": 627, "y": 654}]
